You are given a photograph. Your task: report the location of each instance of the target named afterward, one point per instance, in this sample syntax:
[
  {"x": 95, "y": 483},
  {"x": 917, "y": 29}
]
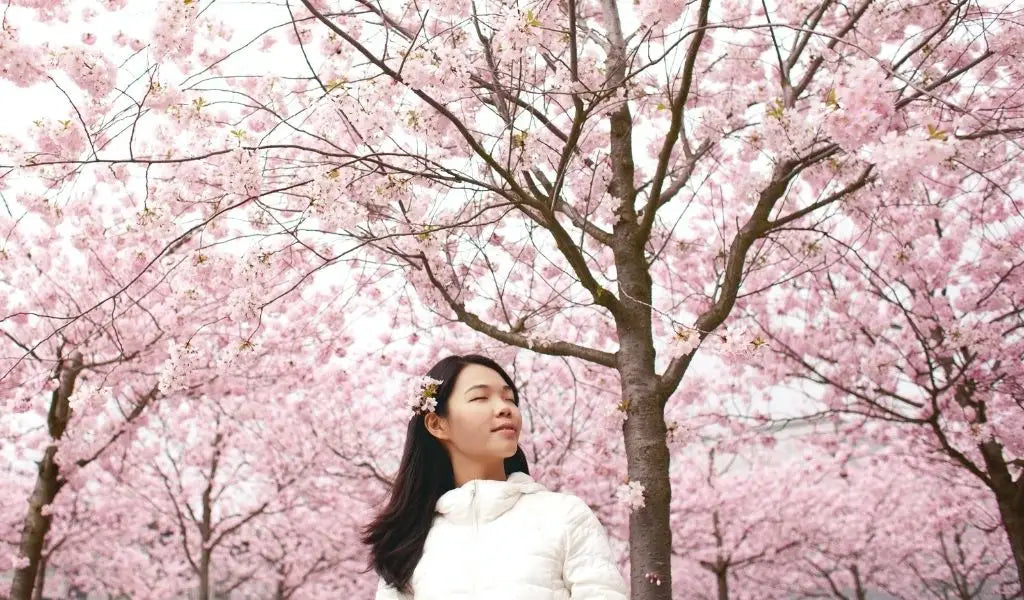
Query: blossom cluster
[
  {"x": 423, "y": 394},
  {"x": 631, "y": 495}
]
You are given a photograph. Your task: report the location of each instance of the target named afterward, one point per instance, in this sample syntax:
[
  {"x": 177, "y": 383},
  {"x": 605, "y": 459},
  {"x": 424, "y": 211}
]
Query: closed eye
[{"x": 512, "y": 400}]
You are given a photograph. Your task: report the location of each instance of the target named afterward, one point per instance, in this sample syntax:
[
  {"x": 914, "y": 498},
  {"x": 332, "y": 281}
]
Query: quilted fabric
[{"x": 513, "y": 540}]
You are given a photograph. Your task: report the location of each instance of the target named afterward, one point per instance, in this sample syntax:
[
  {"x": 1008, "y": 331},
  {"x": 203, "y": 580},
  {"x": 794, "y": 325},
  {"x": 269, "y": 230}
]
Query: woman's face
[{"x": 483, "y": 422}]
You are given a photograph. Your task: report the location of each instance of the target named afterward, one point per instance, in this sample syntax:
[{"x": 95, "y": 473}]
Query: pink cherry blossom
[{"x": 690, "y": 230}]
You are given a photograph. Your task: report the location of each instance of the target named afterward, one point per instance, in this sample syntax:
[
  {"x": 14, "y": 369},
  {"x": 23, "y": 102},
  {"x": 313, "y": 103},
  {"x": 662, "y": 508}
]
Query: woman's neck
[{"x": 467, "y": 470}]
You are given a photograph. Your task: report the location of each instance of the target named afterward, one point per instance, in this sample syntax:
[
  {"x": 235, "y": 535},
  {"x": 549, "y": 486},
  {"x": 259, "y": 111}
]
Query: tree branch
[{"x": 514, "y": 339}]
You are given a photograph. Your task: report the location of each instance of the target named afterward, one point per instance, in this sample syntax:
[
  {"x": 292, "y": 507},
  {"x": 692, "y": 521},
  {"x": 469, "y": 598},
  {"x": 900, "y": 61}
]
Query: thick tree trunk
[
  {"x": 48, "y": 483},
  {"x": 33, "y": 535},
  {"x": 1012, "y": 515},
  {"x": 647, "y": 462},
  {"x": 644, "y": 431},
  {"x": 37, "y": 593},
  {"x": 1010, "y": 498}
]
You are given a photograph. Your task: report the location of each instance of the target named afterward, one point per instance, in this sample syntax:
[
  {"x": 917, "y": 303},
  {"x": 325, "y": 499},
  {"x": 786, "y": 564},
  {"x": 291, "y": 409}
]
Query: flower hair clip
[{"x": 424, "y": 395}]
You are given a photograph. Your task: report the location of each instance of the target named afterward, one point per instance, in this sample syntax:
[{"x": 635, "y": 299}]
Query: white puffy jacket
[{"x": 513, "y": 540}]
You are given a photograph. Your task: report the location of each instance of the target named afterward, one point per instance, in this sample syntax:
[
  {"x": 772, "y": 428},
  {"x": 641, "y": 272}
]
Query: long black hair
[{"x": 397, "y": 534}]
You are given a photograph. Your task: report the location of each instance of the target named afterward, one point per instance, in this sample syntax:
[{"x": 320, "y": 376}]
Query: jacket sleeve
[
  {"x": 386, "y": 592},
  {"x": 589, "y": 571}
]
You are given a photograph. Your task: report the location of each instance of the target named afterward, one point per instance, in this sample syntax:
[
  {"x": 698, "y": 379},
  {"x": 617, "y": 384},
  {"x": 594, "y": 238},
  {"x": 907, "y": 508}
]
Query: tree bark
[
  {"x": 37, "y": 593},
  {"x": 858, "y": 585},
  {"x": 1010, "y": 498},
  {"x": 206, "y": 526},
  {"x": 204, "y": 574},
  {"x": 720, "y": 568},
  {"x": 722, "y": 578},
  {"x": 647, "y": 461},
  {"x": 48, "y": 482},
  {"x": 644, "y": 431}
]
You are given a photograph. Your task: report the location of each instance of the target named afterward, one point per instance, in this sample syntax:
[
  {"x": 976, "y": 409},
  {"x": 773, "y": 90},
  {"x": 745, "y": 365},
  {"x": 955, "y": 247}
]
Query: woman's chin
[{"x": 510, "y": 450}]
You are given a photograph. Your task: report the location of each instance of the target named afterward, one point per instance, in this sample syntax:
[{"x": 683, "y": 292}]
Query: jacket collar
[{"x": 486, "y": 499}]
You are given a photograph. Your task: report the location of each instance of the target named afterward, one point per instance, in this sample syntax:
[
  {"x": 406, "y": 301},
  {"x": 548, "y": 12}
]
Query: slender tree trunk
[
  {"x": 206, "y": 527},
  {"x": 719, "y": 568},
  {"x": 37, "y": 593},
  {"x": 722, "y": 579},
  {"x": 858, "y": 585},
  {"x": 204, "y": 574},
  {"x": 48, "y": 482},
  {"x": 1010, "y": 498}
]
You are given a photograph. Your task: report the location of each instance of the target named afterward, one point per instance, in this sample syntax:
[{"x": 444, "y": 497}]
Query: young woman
[{"x": 465, "y": 521}]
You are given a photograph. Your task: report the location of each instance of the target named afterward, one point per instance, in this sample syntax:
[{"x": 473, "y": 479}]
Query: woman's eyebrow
[{"x": 484, "y": 385}]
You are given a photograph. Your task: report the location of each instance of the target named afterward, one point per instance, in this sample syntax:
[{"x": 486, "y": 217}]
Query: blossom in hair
[{"x": 423, "y": 396}]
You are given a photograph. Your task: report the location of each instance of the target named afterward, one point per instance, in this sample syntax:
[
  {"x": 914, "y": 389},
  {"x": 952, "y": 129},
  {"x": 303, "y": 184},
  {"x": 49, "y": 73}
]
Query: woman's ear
[{"x": 437, "y": 426}]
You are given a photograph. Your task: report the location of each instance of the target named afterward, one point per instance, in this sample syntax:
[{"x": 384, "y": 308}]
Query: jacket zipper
[{"x": 476, "y": 538}]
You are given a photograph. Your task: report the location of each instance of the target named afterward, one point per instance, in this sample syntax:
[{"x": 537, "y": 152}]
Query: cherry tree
[
  {"x": 969, "y": 561},
  {"x": 214, "y": 488},
  {"x": 588, "y": 179},
  {"x": 79, "y": 388},
  {"x": 313, "y": 554},
  {"x": 892, "y": 529},
  {"x": 802, "y": 522},
  {"x": 209, "y": 479},
  {"x": 40, "y": 380},
  {"x": 922, "y": 315},
  {"x": 733, "y": 521}
]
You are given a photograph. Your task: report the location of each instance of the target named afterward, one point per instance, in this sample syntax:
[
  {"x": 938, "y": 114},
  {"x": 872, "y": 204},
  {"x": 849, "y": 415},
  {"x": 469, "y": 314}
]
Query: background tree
[
  {"x": 79, "y": 388},
  {"x": 587, "y": 179},
  {"x": 922, "y": 311}
]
